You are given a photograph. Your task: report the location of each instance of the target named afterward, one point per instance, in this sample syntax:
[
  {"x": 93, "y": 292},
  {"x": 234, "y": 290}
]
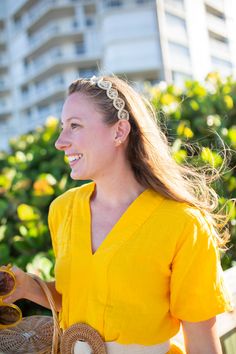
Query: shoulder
[
  {"x": 182, "y": 212},
  {"x": 183, "y": 221},
  {"x": 66, "y": 199}
]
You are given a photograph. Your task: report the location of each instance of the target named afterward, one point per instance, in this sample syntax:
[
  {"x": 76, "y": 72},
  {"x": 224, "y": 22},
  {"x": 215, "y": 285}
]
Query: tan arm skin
[
  {"x": 201, "y": 337},
  {"x": 28, "y": 288}
]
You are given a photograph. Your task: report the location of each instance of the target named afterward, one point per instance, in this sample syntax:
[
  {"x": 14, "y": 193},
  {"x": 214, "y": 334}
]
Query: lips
[{"x": 74, "y": 158}]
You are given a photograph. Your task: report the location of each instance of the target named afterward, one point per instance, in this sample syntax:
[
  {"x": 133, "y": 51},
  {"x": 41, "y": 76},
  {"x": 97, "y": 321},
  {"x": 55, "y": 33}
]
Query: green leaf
[
  {"x": 228, "y": 101},
  {"x": 4, "y": 254},
  {"x": 194, "y": 105},
  {"x": 232, "y": 135},
  {"x": 211, "y": 157},
  {"x": 180, "y": 156},
  {"x": 3, "y": 207},
  {"x": 3, "y": 229},
  {"x": 26, "y": 213}
]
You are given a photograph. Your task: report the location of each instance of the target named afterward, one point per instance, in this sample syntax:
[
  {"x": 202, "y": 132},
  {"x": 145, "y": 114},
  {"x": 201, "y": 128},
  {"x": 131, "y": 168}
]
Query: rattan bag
[{"x": 34, "y": 334}]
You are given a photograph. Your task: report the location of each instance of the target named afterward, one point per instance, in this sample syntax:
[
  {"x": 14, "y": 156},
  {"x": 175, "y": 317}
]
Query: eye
[{"x": 74, "y": 125}]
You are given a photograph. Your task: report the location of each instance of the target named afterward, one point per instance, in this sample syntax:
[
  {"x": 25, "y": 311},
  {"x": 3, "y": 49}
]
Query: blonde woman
[{"x": 137, "y": 248}]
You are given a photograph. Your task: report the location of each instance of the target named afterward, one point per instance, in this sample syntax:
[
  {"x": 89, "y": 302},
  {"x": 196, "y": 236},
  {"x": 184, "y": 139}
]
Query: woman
[{"x": 137, "y": 248}]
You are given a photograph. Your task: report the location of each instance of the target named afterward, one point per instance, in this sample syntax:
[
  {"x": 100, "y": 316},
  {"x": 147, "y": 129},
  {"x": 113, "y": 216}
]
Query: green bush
[
  {"x": 33, "y": 173},
  {"x": 203, "y": 115}
]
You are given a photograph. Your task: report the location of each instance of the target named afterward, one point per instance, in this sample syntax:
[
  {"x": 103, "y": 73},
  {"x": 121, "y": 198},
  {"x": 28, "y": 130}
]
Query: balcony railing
[
  {"x": 51, "y": 31},
  {"x": 50, "y": 61},
  {"x": 217, "y": 4},
  {"x": 16, "y": 5},
  {"x": 217, "y": 24},
  {"x": 41, "y": 9},
  {"x": 39, "y": 94}
]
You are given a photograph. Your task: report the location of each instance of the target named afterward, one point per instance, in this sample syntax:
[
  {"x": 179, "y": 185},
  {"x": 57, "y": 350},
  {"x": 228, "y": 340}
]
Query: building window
[
  {"x": 18, "y": 23},
  {"x": 43, "y": 110},
  {"x": 142, "y": 2},
  {"x": 113, "y": 3},
  {"x": 180, "y": 78},
  {"x": 218, "y": 43},
  {"x": 26, "y": 64},
  {"x": 90, "y": 9},
  {"x": 28, "y": 113},
  {"x": 223, "y": 66},
  {"x": 179, "y": 55},
  {"x": 75, "y": 24},
  {"x": 89, "y": 21},
  {"x": 79, "y": 48},
  {"x": 176, "y": 26},
  {"x": 24, "y": 91},
  {"x": 87, "y": 72},
  {"x": 41, "y": 86}
]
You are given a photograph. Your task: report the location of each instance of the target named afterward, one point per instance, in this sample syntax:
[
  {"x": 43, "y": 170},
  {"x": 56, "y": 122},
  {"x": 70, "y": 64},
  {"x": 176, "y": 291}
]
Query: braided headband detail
[{"x": 113, "y": 94}]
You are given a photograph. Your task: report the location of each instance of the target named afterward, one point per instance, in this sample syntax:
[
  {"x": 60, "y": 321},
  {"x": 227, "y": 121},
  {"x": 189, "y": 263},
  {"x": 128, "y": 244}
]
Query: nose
[{"x": 62, "y": 143}]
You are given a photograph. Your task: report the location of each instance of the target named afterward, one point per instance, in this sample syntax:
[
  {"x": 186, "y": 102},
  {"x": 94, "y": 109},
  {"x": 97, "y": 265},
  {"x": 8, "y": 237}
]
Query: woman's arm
[
  {"x": 28, "y": 288},
  {"x": 37, "y": 295},
  {"x": 201, "y": 337}
]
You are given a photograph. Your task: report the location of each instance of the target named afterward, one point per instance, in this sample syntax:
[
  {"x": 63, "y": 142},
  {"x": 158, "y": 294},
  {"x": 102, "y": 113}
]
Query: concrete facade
[{"x": 44, "y": 45}]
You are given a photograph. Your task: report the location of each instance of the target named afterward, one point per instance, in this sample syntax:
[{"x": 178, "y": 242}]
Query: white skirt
[{"x": 116, "y": 348}]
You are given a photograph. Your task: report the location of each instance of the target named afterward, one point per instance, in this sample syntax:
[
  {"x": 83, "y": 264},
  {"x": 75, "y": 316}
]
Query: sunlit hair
[{"x": 149, "y": 154}]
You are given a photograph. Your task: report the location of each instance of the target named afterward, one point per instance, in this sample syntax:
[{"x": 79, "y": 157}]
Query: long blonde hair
[{"x": 149, "y": 154}]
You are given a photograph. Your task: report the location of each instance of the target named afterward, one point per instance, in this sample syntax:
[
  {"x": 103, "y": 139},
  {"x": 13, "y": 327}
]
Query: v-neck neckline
[{"x": 128, "y": 219}]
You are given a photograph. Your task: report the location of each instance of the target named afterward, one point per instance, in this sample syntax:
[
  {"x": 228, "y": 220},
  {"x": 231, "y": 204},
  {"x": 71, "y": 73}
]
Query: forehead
[{"x": 79, "y": 105}]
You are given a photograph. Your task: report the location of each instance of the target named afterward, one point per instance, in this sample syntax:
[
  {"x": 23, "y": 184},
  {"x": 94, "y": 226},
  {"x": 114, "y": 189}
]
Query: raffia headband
[{"x": 113, "y": 94}]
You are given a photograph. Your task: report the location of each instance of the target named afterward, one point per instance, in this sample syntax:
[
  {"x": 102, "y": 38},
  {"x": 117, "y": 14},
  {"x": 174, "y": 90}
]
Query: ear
[{"x": 121, "y": 131}]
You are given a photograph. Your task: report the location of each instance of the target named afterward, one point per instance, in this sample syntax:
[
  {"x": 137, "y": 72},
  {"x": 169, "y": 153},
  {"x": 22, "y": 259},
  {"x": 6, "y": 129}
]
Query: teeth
[{"x": 72, "y": 158}]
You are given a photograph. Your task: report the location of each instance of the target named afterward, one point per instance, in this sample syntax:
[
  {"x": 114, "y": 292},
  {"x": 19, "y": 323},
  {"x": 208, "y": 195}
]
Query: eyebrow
[{"x": 69, "y": 119}]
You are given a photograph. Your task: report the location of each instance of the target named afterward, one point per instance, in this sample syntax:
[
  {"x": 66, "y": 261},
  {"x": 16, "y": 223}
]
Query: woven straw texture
[
  {"x": 32, "y": 335},
  {"x": 83, "y": 332}
]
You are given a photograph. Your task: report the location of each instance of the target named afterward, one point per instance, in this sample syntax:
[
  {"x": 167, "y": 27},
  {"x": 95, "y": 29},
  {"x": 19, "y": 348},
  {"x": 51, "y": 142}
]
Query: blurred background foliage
[{"x": 33, "y": 172}]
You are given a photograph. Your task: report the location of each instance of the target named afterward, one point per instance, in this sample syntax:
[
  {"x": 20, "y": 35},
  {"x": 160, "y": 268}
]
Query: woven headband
[{"x": 113, "y": 94}]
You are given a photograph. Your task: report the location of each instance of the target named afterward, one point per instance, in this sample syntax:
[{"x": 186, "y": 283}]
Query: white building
[{"x": 45, "y": 44}]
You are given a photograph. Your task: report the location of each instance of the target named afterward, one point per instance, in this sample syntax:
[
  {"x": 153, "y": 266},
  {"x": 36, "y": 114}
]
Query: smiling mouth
[{"x": 73, "y": 158}]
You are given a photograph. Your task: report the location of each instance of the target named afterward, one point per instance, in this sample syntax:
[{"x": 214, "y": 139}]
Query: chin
[{"x": 78, "y": 176}]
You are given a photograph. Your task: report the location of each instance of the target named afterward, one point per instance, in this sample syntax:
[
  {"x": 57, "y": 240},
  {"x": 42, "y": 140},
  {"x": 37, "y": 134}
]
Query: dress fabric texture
[{"x": 158, "y": 265}]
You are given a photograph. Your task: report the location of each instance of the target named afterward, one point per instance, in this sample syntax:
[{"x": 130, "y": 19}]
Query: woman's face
[{"x": 86, "y": 140}]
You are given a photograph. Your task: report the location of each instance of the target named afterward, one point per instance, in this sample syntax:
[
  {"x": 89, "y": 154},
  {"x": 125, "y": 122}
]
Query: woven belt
[{"x": 83, "y": 339}]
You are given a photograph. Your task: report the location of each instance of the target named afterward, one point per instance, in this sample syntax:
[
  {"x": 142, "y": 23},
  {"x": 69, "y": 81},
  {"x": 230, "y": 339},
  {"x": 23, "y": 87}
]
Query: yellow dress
[{"x": 157, "y": 266}]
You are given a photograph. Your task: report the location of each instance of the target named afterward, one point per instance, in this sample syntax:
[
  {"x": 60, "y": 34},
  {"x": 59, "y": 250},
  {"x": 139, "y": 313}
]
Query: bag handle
[{"x": 56, "y": 326}]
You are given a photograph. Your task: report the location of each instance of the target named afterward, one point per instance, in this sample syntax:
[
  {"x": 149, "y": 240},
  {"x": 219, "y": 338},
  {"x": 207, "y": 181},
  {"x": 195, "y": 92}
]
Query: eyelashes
[
  {"x": 75, "y": 125},
  {"x": 72, "y": 126}
]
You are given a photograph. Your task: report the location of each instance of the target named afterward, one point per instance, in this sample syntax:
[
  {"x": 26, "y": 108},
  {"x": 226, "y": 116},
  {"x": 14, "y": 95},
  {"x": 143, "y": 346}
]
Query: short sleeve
[
  {"x": 51, "y": 224},
  {"x": 197, "y": 289}
]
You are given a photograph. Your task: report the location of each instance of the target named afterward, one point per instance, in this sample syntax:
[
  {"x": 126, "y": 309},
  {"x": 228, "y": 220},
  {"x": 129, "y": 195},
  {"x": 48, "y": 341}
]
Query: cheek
[
  {"x": 102, "y": 153},
  {"x": 101, "y": 140}
]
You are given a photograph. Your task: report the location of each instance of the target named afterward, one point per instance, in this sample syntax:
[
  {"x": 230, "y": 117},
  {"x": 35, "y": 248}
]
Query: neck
[{"x": 117, "y": 188}]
